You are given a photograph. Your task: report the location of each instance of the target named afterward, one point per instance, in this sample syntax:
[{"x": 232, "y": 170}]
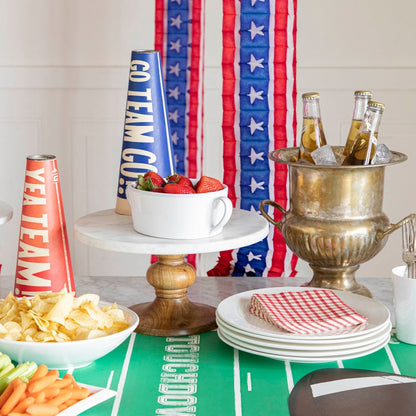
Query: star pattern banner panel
[
  {"x": 179, "y": 36},
  {"x": 259, "y": 115}
]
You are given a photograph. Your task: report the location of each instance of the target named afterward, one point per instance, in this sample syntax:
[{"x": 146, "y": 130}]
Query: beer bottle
[
  {"x": 360, "y": 105},
  {"x": 364, "y": 146},
  {"x": 312, "y": 132}
]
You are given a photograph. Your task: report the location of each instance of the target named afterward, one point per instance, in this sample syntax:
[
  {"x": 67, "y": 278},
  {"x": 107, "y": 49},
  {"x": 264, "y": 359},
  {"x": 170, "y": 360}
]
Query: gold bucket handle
[
  {"x": 267, "y": 216},
  {"x": 393, "y": 227}
]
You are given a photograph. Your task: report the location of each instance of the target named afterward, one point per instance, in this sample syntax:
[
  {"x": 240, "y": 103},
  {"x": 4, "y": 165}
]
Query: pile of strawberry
[{"x": 177, "y": 184}]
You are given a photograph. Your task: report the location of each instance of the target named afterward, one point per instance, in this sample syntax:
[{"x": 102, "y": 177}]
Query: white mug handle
[{"x": 227, "y": 212}]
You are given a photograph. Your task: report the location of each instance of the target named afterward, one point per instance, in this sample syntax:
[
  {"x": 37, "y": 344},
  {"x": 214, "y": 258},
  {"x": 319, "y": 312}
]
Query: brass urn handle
[
  {"x": 267, "y": 216},
  {"x": 393, "y": 227}
]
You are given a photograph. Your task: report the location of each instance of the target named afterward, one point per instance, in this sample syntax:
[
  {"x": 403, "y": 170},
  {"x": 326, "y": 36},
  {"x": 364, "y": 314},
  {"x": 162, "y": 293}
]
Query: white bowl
[
  {"x": 70, "y": 354},
  {"x": 179, "y": 216}
]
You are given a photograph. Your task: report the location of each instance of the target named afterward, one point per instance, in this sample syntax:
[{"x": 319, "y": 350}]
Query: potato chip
[
  {"x": 117, "y": 315},
  {"x": 3, "y": 330},
  {"x": 83, "y": 319},
  {"x": 104, "y": 320},
  {"x": 26, "y": 321},
  {"x": 61, "y": 309},
  {"x": 97, "y": 333},
  {"x": 88, "y": 297},
  {"x": 40, "y": 322},
  {"x": 58, "y": 317},
  {"x": 14, "y": 330},
  {"x": 9, "y": 314}
]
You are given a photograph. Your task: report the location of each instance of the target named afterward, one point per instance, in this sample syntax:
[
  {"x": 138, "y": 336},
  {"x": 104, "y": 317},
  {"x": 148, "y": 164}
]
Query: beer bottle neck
[
  {"x": 359, "y": 107},
  {"x": 371, "y": 122},
  {"x": 311, "y": 109}
]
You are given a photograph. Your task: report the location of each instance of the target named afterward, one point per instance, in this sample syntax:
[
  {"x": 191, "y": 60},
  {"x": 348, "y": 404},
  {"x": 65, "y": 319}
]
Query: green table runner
[{"x": 200, "y": 375}]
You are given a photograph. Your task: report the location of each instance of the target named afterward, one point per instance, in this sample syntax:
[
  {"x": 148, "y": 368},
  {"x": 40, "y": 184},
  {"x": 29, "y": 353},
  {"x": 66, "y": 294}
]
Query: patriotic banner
[
  {"x": 259, "y": 115},
  {"x": 181, "y": 45},
  {"x": 179, "y": 36}
]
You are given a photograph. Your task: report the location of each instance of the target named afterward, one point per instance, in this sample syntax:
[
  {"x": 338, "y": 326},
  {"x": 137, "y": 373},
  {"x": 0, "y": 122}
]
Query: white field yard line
[
  {"x": 249, "y": 387},
  {"x": 110, "y": 379},
  {"x": 237, "y": 390},
  {"x": 392, "y": 360},
  {"x": 289, "y": 376},
  {"x": 123, "y": 375}
]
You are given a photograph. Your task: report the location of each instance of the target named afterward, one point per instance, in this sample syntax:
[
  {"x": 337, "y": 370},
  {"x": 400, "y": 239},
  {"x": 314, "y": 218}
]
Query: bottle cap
[
  {"x": 361, "y": 93},
  {"x": 310, "y": 95},
  {"x": 376, "y": 106}
]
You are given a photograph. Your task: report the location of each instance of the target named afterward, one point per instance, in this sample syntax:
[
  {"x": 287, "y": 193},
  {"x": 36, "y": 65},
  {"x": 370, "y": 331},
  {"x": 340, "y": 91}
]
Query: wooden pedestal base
[{"x": 171, "y": 313}]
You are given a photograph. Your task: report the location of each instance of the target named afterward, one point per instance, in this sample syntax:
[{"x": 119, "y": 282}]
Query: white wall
[
  {"x": 344, "y": 46},
  {"x": 63, "y": 82}
]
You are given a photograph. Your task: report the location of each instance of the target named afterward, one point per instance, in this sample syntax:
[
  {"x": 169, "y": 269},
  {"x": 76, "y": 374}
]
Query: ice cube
[
  {"x": 324, "y": 155},
  {"x": 383, "y": 155}
]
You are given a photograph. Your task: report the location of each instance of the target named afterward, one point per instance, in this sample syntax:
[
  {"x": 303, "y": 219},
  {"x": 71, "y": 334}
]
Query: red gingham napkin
[{"x": 305, "y": 312}]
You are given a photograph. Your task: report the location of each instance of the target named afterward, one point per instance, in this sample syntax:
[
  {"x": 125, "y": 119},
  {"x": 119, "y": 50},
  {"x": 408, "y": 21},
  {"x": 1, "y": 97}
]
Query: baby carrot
[
  {"x": 19, "y": 388},
  {"x": 6, "y": 394},
  {"x": 43, "y": 382},
  {"x": 70, "y": 402},
  {"x": 40, "y": 397},
  {"x": 51, "y": 391},
  {"x": 23, "y": 405},
  {"x": 68, "y": 376},
  {"x": 40, "y": 372},
  {"x": 42, "y": 410},
  {"x": 80, "y": 393},
  {"x": 61, "y": 398},
  {"x": 61, "y": 384}
]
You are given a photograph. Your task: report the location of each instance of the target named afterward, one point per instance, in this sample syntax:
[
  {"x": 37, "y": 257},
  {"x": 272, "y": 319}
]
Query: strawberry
[
  {"x": 149, "y": 181},
  {"x": 159, "y": 189},
  {"x": 180, "y": 179},
  {"x": 144, "y": 184},
  {"x": 208, "y": 184},
  {"x": 175, "y": 188},
  {"x": 156, "y": 179},
  {"x": 183, "y": 180}
]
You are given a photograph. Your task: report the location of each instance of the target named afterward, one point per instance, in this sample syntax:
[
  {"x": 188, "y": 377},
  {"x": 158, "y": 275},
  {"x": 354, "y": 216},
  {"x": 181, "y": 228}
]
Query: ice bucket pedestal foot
[{"x": 342, "y": 278}]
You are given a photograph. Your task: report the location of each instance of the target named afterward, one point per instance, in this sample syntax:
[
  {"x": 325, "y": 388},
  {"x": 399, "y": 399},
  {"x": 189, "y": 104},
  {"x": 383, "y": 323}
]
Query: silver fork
[{"x": 409, "y": 246}]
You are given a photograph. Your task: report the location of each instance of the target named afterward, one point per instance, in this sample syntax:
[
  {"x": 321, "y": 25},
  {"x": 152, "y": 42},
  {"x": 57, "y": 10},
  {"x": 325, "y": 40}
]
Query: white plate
[
  {"x": 337, "y": 343},
  {"x": 293, "y": 346},
  {"x": 276, "y": 349},
  {"x": 234, "y": 311},
  {"x": 69, "y": 354},
  {"x": 306, "y": 359}
]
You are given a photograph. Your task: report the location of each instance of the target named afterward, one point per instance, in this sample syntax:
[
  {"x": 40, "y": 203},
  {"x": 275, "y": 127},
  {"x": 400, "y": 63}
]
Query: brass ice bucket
[{"x": 335, "y": 221}]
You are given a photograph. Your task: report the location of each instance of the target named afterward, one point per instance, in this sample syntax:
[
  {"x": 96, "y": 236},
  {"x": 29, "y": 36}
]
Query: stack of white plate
[{"x": 240, "y": 329}]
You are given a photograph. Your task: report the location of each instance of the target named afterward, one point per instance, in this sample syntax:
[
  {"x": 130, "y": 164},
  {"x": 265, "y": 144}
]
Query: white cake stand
[{"x": 171, "y": 313}]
